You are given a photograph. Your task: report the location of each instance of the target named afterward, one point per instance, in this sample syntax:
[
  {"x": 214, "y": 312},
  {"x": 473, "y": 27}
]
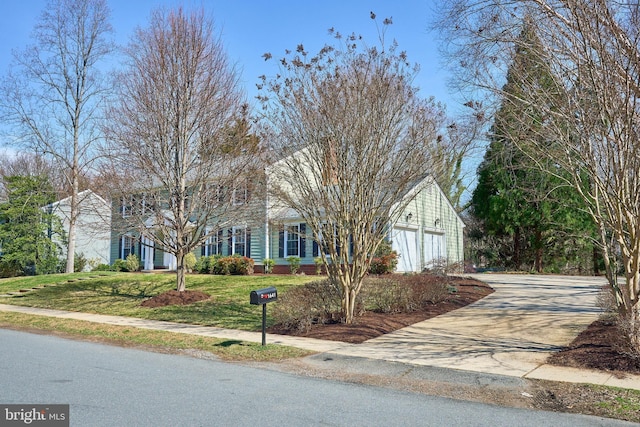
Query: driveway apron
[{"x": 510, "y": 332}]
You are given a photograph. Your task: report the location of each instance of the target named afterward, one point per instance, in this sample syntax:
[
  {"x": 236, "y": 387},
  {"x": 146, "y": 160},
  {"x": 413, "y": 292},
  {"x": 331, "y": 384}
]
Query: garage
[
  {"x": 433, "y": 249},
  {"x": 405, "y": 243}
]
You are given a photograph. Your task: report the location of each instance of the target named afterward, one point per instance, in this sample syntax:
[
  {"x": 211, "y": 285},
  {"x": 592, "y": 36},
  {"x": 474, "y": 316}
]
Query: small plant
[
  {"x": 79, "y": 262},
  {"x": 132, "y": 263},
  {"x": 189, "y": 262},
  {"x": 268, "y": 265},
  {"x": 294, "y": 264},
  {"x": 94, "y": 263},
  {"x": 385, "y": 259},
  {"x": 318, "y": 261}
]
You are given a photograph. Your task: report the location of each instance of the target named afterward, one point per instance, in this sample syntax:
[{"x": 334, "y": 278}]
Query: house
[
  {"x": 93, "y": 225},
  {"x": 428, "y": 233}
]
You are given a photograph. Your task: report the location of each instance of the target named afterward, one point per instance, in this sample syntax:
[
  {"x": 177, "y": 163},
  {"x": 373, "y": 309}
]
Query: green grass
[
  {"x": 122, "y": 293},
  {"x": 151, "y": 339},
  {"x": 28, "y": 282},
  {"x": 624, "y": 405}
]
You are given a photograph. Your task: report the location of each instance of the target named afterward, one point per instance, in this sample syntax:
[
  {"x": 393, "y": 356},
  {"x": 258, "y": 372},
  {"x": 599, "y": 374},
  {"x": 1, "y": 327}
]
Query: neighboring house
[
  {"x": 429, "y": 233},
  {"x": 93, "y": 225}
]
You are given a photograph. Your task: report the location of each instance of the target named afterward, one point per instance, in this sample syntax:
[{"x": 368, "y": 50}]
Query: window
[
  {"x": 292, "y": 241},
  {"x": 126, "y": 206},
  {"x": 212, "y": 246},
  {"x": 239, "y": 241},
  {"x": 322, "y": 244},
  {"x": 136, "y": 204},
  {"x": 240, "y": 195}
]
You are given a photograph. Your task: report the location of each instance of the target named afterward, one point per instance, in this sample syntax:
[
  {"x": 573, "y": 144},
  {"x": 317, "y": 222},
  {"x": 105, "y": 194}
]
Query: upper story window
[
  {"x": 126, "y": 206},
  {"x": 240, "y": 194}
]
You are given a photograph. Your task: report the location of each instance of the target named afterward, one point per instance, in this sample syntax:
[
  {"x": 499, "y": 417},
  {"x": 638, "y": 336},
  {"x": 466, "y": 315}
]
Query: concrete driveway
[{"x": 510, "y": 332}]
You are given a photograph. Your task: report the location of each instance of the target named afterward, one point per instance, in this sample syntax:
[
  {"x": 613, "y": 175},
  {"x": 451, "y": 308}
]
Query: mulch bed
[
  {"x": 601, "y": 346},
  {"x": 175, "y": 298},
  {"x": 372, "y": 325}
]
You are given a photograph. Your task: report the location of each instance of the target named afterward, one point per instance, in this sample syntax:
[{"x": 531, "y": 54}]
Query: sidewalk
[{"x": 508, "y": 333}]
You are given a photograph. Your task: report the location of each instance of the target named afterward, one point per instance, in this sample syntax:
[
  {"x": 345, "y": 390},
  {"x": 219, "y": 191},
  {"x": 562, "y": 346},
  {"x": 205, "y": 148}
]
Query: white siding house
[{"x": 93, "y": 225}]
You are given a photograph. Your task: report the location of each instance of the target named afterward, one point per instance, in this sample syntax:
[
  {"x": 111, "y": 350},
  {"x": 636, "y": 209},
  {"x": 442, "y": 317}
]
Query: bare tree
[
  {"x": 174, "y": 134},
  {"x": 589, "y": 118},
  {"x": 25, "y": 164},
  {"x": 54, "y": 95},
  {"x": 351, "y": 138}
]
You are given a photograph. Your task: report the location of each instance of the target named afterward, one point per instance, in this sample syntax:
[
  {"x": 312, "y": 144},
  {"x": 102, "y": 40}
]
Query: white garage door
[
  {"x": 405, "y": 242},
  {"x": 433, "y": 249}
]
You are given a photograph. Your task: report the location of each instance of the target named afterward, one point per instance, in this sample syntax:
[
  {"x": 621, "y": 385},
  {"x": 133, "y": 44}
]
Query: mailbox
[{"x": 263, "y": 296}]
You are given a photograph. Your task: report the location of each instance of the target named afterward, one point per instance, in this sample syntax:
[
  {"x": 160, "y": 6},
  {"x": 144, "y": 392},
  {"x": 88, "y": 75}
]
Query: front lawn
[{"x": 121, "y": 294}]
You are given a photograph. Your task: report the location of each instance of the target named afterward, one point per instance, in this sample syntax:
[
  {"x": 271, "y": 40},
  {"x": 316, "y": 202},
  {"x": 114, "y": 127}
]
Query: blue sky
[{"x": 250, "y": 28}]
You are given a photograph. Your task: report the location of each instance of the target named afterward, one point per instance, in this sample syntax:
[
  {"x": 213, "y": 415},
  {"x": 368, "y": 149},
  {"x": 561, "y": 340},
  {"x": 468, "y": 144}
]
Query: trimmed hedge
[{"x": 225, "y": 265}]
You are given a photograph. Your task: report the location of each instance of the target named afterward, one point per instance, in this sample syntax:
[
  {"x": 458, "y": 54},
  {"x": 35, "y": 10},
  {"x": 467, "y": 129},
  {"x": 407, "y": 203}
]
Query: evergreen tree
[
  {"x": 27, "y": 229},
  {"x": 515, "y": 199}
]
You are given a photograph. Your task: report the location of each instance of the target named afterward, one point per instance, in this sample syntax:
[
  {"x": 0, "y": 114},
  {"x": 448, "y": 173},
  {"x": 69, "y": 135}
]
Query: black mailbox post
[{"x": 262, "y": 297}]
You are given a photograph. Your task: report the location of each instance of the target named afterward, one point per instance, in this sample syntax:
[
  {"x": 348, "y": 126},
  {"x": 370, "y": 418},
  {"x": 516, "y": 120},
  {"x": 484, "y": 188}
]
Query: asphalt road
[{"x": 113, "y": 386}]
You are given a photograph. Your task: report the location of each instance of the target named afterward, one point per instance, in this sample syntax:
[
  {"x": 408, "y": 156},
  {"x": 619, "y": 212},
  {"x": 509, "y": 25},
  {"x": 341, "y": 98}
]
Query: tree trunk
[
  {"x": 73, "y": 215},
  {"x": 180, "y": 273},
  {"x": 538, "y": 253},
  {"x": 595, "y": 257},
  {"x": 516, "y": 249}
]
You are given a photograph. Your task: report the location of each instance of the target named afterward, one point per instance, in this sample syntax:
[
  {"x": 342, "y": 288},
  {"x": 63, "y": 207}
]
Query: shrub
[
  {"x": 94, "y": 263},
  {"x": 294, "y": 264},
  {"x": 319, "y": 262},
  {"x": 200, "y": 264},
  {"x": 268, "y": 265},
  {"x": 385, "y": 259},
  {"x": 103, "y": 267},
  {"x": 79, "y": 262},
  {"x": 222, "y": 265},
  {"x": 225, "y": 265},
  {"x": 301, "y": 307},
  {"x": 441, "y": 266},
  {"x": 242, "y": 265},
  {"x": 189, "y": 262},
  {"x": 119, "y": 265},
  {"x": 132, "y": 263},
  {"x": 318, "y": 302},
  {"x": 385, "y": 295}
]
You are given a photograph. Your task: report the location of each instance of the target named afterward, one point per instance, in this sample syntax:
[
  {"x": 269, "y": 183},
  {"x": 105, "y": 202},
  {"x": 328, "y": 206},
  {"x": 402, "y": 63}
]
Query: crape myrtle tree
[
  {"x": 178, "y": 137},
  {"x": 351, "y": 137},
  {"x": 591, "y": 50},
  {"x": 53, "y": 97}
]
